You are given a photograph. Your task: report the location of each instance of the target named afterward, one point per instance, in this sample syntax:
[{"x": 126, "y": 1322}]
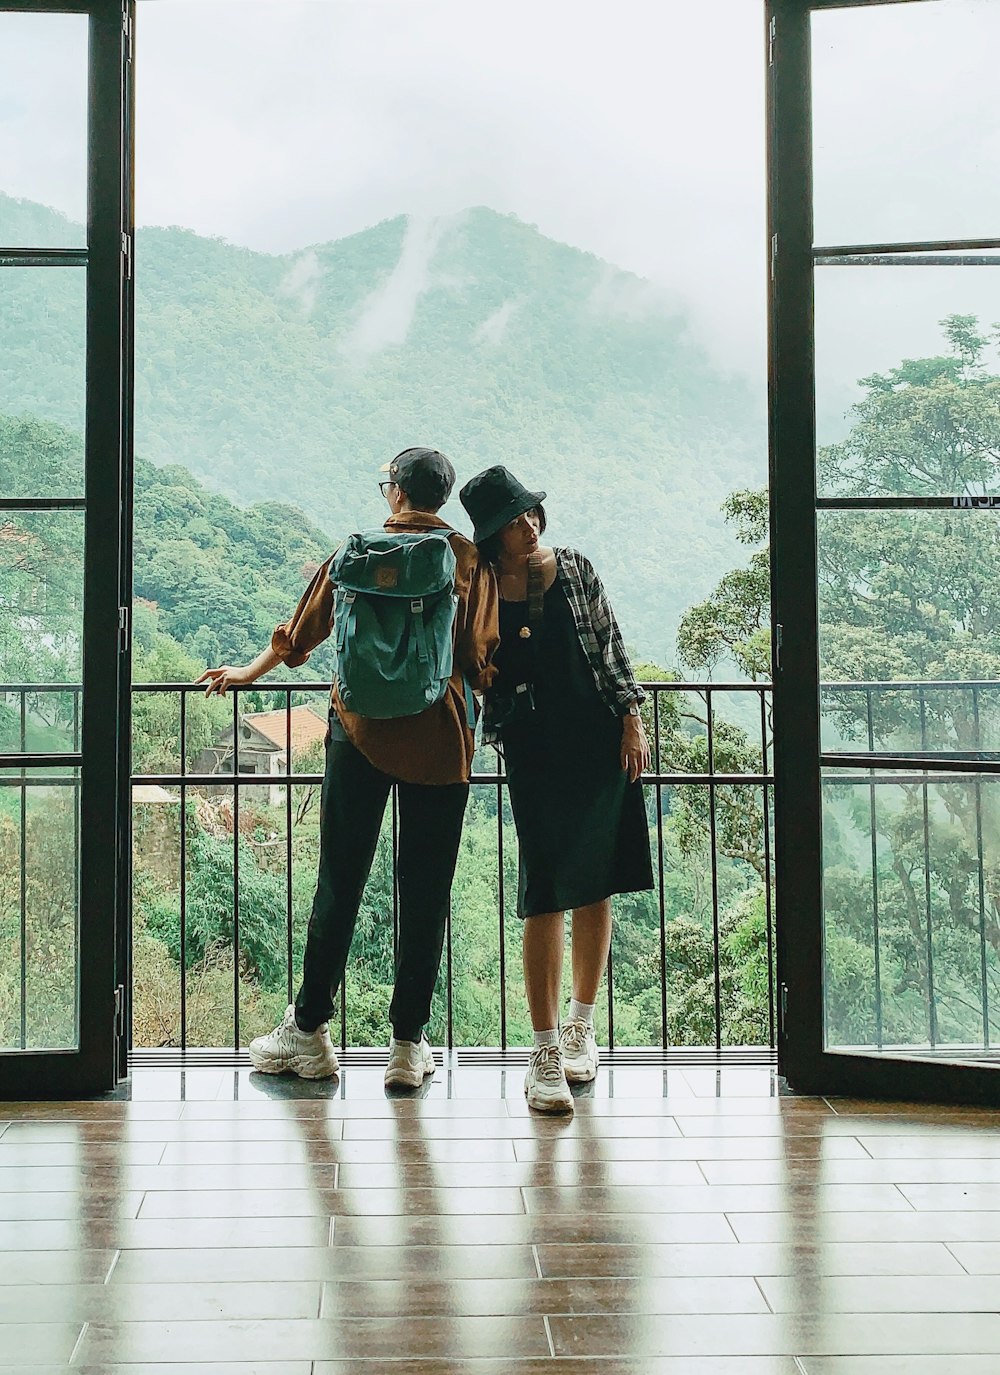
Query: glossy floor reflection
[{"x": 683, "y": 1222}]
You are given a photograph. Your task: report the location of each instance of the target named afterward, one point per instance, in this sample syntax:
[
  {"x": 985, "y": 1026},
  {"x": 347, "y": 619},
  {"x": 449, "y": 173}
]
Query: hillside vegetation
[{"x": 293, "y": 378}]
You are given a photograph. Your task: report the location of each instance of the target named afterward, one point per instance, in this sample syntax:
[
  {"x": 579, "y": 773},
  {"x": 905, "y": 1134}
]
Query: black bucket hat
[{"x": 493, "y": 498}]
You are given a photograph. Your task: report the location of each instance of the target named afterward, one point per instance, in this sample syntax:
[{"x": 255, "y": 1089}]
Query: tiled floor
[{"x": 682, "y": 1223}]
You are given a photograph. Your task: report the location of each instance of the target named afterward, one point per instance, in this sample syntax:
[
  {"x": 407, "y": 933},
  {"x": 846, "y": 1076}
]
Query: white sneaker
[
  {"x": 287, "y": 1050},
  {"x": 410, "y": 1062},
  {"x": 545, "y": 1085},
  {"x": 579, "y": 1048}
]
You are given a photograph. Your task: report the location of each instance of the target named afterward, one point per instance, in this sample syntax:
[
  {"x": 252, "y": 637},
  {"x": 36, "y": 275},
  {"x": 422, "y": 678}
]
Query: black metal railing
[
  {"x": 40, "y": 750},
  {"x": 930, "y": 823},
  {"x": 911, "y": 866},
  {"x": 684, "y": 715},
  {"x": 711, "y": 766}
]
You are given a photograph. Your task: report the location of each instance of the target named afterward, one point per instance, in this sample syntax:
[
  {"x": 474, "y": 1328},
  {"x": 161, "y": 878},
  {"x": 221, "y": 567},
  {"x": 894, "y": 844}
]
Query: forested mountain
[
  {"x": 212, "y": 576},
  {"x": 293, "y": 378}
]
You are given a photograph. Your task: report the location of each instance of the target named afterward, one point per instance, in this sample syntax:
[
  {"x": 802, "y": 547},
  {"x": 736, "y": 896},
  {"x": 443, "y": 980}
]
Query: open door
[
  {"x": 885, "y": 473},
  {"x": 63, "y": 632}
]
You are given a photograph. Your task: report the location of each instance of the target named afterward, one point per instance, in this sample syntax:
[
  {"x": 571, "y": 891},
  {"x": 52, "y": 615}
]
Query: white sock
[
  {"x": 546, "y": 1038},
  {"x": 581, "y": 1012}
]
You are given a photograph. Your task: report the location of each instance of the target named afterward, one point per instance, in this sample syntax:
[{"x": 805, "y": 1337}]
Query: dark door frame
[
  {"x": 93, "y": 1066},
  {"x": 802, "y": 1055}
]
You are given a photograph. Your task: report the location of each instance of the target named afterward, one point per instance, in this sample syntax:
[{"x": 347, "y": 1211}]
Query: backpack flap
[{"x": 395, "y": 563}]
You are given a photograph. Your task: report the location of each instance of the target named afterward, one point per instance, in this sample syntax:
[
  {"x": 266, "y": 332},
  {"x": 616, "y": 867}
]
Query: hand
[
  {"x": 635, "y": 747},
  {"x": 221, "y": 679}
]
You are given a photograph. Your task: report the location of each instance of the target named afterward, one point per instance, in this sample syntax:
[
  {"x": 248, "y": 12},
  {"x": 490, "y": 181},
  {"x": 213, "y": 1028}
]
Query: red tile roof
[{"x": 307, "y": 727}]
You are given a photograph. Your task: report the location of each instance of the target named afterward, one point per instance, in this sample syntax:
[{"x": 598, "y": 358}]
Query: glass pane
[
  {"x": 904, "y": 122},
  {"x": 39, "y": 910},
  {"x": 43, "y": 340},
  {"x": 909, "y": 597},
  {"x": 41, "y": 625},
  {"x": 43, "y": 130},
  {"x": 911, "y": 912},
  {"x": 907, "y": 380},
  {"x": 489, "y": 267}
]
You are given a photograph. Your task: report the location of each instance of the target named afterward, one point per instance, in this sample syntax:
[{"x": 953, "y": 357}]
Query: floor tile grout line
[
  {"x": 331, "y": 1231},
  {"x": 958, "y": 1260},
  {"x": 760, "y": 1287},
  {"x": 909, "y": 1202},
  {"x": 76, "y": 1344},
  {"x": 863, "y": 1146},
  {"x": 799, "y": 1366},
  {"x": 111, "y": 1268},
  {"x": 537, "y": 1260},
  {"x": 548, "y": 1335},
  {"x": 524, "y": 1200},
  {"x": 729, "y": 1224},
  {"x": 700, "y": 1165}
]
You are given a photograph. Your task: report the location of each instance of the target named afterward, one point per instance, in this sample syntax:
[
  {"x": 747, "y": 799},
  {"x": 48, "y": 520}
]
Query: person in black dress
[{"x": 564, "y": 712}]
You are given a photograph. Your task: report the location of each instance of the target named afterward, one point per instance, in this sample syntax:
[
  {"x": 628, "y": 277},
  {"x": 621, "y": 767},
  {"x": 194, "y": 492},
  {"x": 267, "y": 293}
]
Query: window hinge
[
  {"x": 774, "y": 255},
  {"x": 782, "y": 1009},
  {"x": 120, "y": 1010},
  {"x": 127, "y": 256},
  {"x": 127, "y": 33},
  {"x": 124, "y": 620},
  {"x": 772, "y": 30},
  {"x": 778, "y": 636}
]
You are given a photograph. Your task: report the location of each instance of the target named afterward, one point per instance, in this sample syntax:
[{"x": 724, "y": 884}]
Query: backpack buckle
[{"x": 417, "y": 606}]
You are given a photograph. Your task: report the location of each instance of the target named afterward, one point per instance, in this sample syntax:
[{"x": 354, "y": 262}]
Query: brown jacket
[{"x": 437, "y": 745}]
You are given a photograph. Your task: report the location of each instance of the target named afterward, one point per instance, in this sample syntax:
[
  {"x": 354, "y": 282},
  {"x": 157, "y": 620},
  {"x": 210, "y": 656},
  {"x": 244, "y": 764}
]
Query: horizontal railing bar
[
  {"x": 913, "y": 767},
  {"x": 23, "y": 760},
  {"x": 42, "y": 503},
  {"x": 57, "y": 780},
  {"x": 906, "y": 260},
  {"x": 43, "y": 257},
  {"x": 984, "y": 501},
  {"x": 833, "y": 685},
  {"x": 916, "y": 756},
  {"x": 307, "y": 780},
  {"x": 41, "y": 687},
  {"x": 926, "y": 246},
  {"x": 269, "y": 685},
  {"x": 910, "y": 685}
]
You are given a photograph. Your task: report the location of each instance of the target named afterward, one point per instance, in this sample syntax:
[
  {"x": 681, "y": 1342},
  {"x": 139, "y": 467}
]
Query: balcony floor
[{"x": 688, "y": 1221}]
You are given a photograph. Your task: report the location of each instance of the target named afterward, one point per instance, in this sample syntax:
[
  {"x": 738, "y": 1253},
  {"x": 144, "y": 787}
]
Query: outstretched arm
[{"x": 219, "y": 680}]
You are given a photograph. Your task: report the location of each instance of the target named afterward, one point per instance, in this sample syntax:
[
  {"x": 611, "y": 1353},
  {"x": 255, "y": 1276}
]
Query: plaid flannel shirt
[{"x": 598, "y": 634}]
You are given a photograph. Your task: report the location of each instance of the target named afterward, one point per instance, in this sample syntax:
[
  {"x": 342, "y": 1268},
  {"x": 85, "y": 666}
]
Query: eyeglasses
[{"x": 383, "y": 485}]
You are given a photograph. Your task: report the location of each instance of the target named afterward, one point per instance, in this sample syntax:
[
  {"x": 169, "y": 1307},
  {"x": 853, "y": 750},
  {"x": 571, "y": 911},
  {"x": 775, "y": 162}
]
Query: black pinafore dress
[{"x": 581, "y": 825}]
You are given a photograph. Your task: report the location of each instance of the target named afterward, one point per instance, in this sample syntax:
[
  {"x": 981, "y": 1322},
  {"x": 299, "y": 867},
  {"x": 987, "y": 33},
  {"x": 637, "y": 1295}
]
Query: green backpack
[{"x": 394, "y": 621}]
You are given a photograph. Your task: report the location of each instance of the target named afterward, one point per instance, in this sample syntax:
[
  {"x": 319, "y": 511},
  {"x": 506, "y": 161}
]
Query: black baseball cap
[{"x": 425, "y": 475}]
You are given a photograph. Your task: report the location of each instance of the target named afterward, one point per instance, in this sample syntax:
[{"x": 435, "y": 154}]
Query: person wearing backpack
[{"x": 414, "y": 614}]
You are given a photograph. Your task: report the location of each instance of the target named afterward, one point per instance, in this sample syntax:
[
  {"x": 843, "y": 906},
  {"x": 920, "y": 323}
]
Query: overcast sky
[{"x": 632, "y": 128}]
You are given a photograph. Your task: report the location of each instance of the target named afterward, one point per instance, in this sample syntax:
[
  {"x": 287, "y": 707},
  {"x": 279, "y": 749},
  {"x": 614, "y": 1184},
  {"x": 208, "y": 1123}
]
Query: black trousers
[{"x": 430, "y": 829}]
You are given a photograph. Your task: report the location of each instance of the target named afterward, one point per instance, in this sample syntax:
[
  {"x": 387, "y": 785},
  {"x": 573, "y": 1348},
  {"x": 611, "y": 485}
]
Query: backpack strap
[
  {"x": 418, "y": 631},
  {"x": 470, "y": 705},
  {"x": 347, "y": 622},
  {"x": 536, "y": 593}
]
